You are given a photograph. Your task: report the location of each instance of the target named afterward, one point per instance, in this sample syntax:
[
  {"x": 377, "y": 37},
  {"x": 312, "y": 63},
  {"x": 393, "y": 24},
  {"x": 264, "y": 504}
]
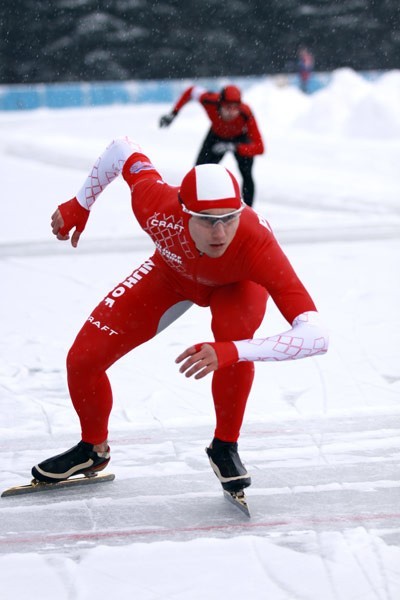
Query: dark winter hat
[
  {"x": 230, "y": 93},
  {"x": 209, "y": 186}
]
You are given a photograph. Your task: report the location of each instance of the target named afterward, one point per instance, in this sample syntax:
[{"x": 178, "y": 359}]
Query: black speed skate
[
  {"x": 81, "y": 459},
  {"x": 226, "y": 464}
]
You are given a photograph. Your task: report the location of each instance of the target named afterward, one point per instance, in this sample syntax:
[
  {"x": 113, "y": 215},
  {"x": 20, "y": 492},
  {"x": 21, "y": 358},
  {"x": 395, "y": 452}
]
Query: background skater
[{"x": 233, "y": 129}]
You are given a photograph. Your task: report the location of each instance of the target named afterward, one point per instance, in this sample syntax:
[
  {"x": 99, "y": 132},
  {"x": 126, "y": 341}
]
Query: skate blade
[
  {"x": 238, "y": 499},
  {"x": 89, "y": 478}
]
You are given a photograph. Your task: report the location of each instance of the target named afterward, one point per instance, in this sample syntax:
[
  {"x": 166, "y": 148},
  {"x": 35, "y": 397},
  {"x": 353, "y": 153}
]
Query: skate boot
[
  {"x": 226, "y": 464},
  {"x": 79, "y": 459}
]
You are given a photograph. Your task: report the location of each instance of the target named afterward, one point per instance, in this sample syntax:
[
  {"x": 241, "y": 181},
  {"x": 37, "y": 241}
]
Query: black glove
[
  {"x": 167, "y": 119},
  {"x": 222, "y": 147}
]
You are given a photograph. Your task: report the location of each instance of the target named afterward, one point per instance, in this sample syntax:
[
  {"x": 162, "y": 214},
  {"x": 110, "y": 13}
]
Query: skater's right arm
[
  {"x": 192, "y": 93},
  {"x": 73, "y": 214}
]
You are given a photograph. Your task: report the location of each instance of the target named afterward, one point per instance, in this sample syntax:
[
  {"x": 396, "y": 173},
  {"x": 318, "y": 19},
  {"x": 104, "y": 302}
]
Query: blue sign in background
[{"x": 64, "y": 95}]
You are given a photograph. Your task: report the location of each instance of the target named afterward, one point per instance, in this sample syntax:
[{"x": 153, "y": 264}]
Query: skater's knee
[
  {"x": 76, "y": 360},
  {"x": 238, "y": 327},
  {"x": 83, "y": 360}
]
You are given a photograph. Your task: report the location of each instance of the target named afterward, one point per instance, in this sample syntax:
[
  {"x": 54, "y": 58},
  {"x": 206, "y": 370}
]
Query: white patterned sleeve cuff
[
  {"x": 107, "y": 167},
  {"x": 308, "y": 337}
]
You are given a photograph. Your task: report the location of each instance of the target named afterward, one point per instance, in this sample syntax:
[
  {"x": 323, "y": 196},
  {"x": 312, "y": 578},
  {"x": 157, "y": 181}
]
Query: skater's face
[
  {"x": 212, "y": 236},
  {"x": 229, "y": 111}
]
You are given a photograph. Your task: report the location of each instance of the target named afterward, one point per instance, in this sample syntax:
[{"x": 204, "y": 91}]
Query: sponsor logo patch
[
  {"x": 139, "y": 166},
  {"x": 129, "y": 282}
]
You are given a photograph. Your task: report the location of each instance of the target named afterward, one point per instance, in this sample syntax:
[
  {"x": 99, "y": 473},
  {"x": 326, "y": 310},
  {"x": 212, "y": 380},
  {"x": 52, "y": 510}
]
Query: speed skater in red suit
[
  {"x": 210, "y": 250},
  {"x": 233, "y": 129}
]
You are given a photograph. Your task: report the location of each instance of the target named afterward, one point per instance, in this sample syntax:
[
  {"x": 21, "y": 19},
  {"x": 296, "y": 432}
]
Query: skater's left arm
[
  {"x": 73, "y": 214},
  {"x": 307, "y": 337}
]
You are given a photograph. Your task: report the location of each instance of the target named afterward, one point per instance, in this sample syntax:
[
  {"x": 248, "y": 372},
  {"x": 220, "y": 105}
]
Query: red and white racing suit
[
  {"x": 235, "y": 287},
  {"x": 243, "y": 127}
]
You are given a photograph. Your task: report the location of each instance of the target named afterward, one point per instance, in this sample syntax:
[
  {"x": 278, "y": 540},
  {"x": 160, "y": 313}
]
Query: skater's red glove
[
  {"x": 69, "y": 215},
  {"x": 74, "y": 215}
]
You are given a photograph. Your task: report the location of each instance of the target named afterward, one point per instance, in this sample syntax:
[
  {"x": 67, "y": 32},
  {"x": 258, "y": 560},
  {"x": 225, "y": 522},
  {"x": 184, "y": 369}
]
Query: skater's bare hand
[{"x": 199, "y": 362}]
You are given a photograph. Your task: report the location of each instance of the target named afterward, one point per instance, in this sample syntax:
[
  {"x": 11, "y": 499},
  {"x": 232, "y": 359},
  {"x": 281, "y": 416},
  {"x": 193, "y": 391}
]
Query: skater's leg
[
  {"x": 129, "y": 316},
  {"x": 237, "y": 312},
  {"x": 245, "y": 165},
  {"x": 134, "y": 311},
  {"x": 206, "y": 154}
]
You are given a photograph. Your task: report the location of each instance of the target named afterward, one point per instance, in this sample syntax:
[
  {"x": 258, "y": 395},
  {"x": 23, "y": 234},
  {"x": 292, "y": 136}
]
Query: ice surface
[{"x": 321, "y": 436}]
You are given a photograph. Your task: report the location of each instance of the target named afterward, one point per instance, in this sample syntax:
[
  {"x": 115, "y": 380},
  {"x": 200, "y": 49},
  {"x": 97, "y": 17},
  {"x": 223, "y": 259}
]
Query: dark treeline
[{"x": 70, "y": 40}]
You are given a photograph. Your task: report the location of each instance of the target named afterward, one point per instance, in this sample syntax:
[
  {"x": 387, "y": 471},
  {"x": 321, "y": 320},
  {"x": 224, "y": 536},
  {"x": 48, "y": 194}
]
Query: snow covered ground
[{"x": 321, "y": 436}]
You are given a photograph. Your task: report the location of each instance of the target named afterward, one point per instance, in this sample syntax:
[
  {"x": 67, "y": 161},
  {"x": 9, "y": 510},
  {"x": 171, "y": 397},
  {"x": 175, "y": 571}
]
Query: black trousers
[{"x": 245, "y": 163}]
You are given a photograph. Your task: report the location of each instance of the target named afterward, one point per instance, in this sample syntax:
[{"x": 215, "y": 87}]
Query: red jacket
[{"x": 244, "y": 125}]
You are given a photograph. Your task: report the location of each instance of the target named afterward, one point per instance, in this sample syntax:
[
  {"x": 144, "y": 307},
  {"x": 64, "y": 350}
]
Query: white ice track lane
[
  {"x": 300, "y": 489},
  {"x": 352, "y": 233}
]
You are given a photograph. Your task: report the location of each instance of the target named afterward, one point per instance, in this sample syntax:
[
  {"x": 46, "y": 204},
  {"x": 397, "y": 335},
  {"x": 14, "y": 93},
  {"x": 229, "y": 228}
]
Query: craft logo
[
  {"x": 104, "y": 328},
  {"x": 163, "y": 224}
]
